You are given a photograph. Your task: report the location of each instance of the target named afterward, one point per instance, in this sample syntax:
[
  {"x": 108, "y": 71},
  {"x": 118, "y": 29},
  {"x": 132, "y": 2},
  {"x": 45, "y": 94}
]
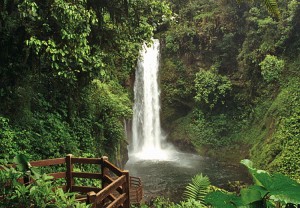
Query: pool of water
[{"x": 168, "y": 178}]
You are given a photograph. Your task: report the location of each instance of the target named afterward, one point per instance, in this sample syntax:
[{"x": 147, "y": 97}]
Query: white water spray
[{"x": 147, "y": 135}]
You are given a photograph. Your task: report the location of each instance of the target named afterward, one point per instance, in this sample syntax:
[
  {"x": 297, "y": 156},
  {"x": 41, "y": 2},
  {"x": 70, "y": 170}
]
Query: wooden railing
[
  {"x": 136, "y": 190},
  {"x": 115, "y": 190}
]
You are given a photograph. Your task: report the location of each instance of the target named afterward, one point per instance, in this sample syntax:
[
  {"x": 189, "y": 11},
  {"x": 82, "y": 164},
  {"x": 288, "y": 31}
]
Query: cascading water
[
  {"x": 147, "y": 138},
  {"x": 163, "y": 170}
]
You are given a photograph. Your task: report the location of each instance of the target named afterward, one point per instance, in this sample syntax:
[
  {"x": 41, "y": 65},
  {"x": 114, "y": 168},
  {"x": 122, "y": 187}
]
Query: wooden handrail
[
  {"x": 110, "y": 180},
  {"x": 87, "y": 175},
  {"x": 101, "y": 195},
  {"x": 118, "y": 201},
  {"x": 135, "y": 181},
  {"x": 85, "y": 189},
  {"x": 81, "y": 160},
  {"x": 115, "y": 188},
  {"x": 42, "y": 163},
  {"x": 58, "y": 175},
  {"x": 112, "y": 168}
]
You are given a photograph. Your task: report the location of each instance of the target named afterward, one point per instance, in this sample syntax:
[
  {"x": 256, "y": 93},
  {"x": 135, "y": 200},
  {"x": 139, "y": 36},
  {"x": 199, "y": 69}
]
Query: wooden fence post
[
  {"x": 91, "y": 198},
  {"x": 126, "y": 187},
  {"x": 69, "y": 177},
  {"x": 104, "y": 171}
]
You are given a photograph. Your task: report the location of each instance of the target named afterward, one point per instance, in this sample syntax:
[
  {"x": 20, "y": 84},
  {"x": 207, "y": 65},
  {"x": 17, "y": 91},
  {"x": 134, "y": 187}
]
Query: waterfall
[{"x": 147, "y": 138}]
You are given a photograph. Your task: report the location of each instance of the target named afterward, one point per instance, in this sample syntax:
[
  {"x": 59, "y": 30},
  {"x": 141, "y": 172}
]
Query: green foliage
[
  {"x": 51, "y": 51},
  {"x": 52, "y": 136},
  {"x": 107, "y": 103},
  {"x": 68, "y": 51},
  {"x": 276, "y": 187},
  {"x": 197, "y": 189},
  {"x": 271, "y": 68},
  {"x": 211, "y": 88},
  {"x": 221, "y": 199},
  {"x": 278, "y": 151},
  {"x": 269, "y": 190},
  {"x": 11, "y": 139},
  {"x": 288, "y": 136},
  {"x": 40, "y": 193},
  {"x": 272, "y": 6},
  {"x": 238, "y": 42},
  {"x": 161, "y": 202},
  {"x": 189, "y": 203}
]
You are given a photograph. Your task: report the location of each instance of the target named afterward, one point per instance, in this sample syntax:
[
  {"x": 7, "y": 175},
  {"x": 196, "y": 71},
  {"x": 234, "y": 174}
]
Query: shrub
[
  {"x": 271, "y": 68},
  {"x": 211, "y": 88},
  {"x": 40, "y": 193},
  {"x": 12, "y": 140}
]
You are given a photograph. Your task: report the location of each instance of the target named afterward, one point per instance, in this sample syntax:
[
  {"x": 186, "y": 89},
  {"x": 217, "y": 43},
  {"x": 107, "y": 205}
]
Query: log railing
[{"x": 115, "y": 190}]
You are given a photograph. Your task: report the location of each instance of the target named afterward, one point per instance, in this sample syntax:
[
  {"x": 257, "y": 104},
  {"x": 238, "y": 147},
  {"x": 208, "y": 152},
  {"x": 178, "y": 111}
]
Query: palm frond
[
  {"x": 272, "y": 7},
  {"x": 197, "y": 189}
]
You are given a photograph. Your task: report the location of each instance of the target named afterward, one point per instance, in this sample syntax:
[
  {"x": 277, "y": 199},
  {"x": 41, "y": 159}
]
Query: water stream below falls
[{"x": 169, "y": 178}]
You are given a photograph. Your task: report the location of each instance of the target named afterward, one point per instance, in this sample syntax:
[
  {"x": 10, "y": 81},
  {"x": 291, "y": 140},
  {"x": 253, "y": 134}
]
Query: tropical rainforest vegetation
[
  {"x": 230, "y": 80},
  {"x": 229, "y": 77},
  {"x": 64, "y": 70}
]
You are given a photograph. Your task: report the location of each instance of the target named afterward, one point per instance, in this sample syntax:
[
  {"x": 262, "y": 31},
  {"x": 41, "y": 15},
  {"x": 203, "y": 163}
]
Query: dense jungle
[{"x": 229, "y": 78}]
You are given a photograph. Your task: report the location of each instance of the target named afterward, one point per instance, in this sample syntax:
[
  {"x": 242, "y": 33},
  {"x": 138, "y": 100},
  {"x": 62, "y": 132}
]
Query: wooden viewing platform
[{"x": 118, "y": 188}]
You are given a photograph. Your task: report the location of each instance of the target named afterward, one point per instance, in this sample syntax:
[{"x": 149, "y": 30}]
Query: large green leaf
[
  {"x": 278, "y": 187},
  {"x": 221, "y": 199},
  {"x": 22, "y": 163},
  {"x": 284, "y": 189},
  {"x": 250, "y": 195}
]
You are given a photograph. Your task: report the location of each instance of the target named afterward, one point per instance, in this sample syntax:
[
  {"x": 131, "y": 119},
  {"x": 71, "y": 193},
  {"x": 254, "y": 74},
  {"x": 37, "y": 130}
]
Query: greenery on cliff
[
  {"x": 230, "y": 81},
  {"x": 63, "y": 72}
]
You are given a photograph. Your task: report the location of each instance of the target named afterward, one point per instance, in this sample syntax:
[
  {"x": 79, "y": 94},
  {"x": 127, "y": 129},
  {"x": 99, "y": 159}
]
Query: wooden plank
[
  {"x": 135, "y": 181},
  {"x": 81, "y": 199},
  {"x": 58, "y": 175},
  {"x": 136, "y": 195},
  {"x": 110, "y": 180},
  {"x": 112, "y": 168},
  {"x": 111, "y": 197},
  {"x": 118, "y": 202},
  {"x": 85, "y": 189},
  {"x": 86, "y": 160},
  {"x": 86, "y": 175},
  {"x": 41, "y": 163},
  {"x": 100, "y": 196}
]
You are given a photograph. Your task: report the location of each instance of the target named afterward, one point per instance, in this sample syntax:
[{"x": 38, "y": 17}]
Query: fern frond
[{"x": 197, "y": 189}]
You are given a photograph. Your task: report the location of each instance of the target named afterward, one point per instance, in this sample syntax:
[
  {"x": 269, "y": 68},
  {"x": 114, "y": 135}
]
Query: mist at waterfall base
[{"x": 164, "y": 170}]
